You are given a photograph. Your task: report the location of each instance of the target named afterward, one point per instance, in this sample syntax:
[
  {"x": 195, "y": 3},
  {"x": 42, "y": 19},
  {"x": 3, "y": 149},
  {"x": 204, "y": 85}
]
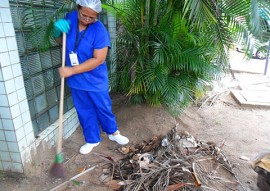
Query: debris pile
[{"x": 176, "y": 161}]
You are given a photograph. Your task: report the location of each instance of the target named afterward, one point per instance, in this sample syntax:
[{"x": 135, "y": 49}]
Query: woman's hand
[{"x": 65, "y": 72}]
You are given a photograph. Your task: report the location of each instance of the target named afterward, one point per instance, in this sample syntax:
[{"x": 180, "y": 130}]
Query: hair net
[{"x": 92, "y": 4}]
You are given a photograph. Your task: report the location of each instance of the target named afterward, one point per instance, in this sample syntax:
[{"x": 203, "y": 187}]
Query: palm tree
[{"x": 168, "y": 51}]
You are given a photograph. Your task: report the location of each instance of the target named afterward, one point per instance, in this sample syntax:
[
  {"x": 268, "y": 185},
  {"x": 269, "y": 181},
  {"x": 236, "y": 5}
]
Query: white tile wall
[
  {"x": 2, "y": 34},
  {"x": 5, "y": 113},
  {"x": 17, "y": 70},
  {"x": 22, "y": 144},
  {"x": 3, "y": 146},
  {"x": 17, "y": 167},
  {"x": 20, "y": 133},
  {"x": 9, "y": 29},
  {"x": 2, "y": 135},
  {"x": 5, "y": 156},
  {"x": 7, "y": 166},
  {"x": 1, "y": 76},
  {"x": 7, "y": 15},
  {"x": 13, "y": 146},
  {"x": 26, "y": 117},
  {"x": 19, "y": 83},
  {"x": 3, "y": 101},
  {"x": 30, "y": 138},
  {"x": 3, "y": 45},
  {"x": 15, "y": 157},
  {"x": 11, "y": 43},
  {"x": 15, "y": 111},
  {"x": 1, "y": 126},
  {"x": 12, "y": 98},
  {"x": 21, "y": 94},
  {"x": 10, "y": 86},
  {"x": 25, "y": 154},
  {"x": 28, "y": 128},
  {"x": 2, "y": 87},
  {"x": 10, "y": 136},
  {"x": 17, "y": 122},
  {"x": 14, "y": 57},
  {"x": 4, "y": 3},
  {"x": 7, "y": 124},
  {"x": 7, "y": 73},
  {"x": 4, "y": 59},
  {"x": 24, "y": 106}
]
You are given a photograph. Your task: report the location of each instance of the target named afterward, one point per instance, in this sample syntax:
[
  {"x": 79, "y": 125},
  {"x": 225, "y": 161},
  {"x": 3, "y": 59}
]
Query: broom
[{"x": 57, "y": 168}]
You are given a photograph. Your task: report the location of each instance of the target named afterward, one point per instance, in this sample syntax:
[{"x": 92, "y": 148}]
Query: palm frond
[{"x": 40, "y": 22}]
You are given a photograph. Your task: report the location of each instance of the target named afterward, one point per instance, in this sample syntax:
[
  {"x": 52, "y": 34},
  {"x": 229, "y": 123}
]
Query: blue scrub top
[{"x": 95, "y": 37}]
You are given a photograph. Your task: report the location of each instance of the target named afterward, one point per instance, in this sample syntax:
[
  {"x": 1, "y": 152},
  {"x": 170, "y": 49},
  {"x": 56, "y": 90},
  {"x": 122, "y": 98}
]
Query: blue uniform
[{"x": 90, "y": 89}]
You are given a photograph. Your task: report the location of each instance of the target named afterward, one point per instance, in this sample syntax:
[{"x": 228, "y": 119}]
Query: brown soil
[{"x": 237, "y": 130}]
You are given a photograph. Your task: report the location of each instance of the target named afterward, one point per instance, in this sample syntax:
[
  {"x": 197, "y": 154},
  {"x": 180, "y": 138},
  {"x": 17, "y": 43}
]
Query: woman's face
[{"x": 87, "y": 16}]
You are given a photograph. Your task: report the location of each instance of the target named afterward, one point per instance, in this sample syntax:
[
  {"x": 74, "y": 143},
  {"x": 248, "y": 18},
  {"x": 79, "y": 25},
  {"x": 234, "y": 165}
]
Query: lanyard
[{"x": 79, "y": 40}]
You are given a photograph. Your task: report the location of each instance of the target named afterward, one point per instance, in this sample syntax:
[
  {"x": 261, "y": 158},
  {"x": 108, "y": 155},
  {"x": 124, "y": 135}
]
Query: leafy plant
[{"x": 169, "y": 51}]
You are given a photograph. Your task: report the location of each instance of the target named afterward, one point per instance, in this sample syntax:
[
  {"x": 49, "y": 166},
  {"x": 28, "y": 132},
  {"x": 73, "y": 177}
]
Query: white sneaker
[
  {"x": 120, "y": 139},
  {"x": 87, "y": 148}
]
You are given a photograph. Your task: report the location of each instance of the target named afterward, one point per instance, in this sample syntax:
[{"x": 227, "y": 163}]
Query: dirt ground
[{"x": 239, "y": 131}]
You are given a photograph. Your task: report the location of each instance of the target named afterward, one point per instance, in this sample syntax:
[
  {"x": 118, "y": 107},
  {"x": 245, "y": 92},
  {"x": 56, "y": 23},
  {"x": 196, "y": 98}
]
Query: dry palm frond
[{"x": 179, "y": 162}]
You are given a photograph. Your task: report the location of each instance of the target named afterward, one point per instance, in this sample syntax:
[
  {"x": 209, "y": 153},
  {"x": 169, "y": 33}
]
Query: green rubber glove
[{"x": 61, "y": 26}]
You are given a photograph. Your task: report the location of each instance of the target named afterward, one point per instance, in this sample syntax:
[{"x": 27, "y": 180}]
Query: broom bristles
[{"x": 58, "y": 169}]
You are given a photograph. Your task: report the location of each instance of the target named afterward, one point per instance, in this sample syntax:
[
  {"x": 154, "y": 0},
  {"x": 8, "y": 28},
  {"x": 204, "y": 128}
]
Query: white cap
[{"x": 92, "y": 4}]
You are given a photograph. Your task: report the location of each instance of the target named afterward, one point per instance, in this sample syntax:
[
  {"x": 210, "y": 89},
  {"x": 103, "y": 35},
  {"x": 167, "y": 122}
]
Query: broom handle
[{"x": 61, "y": 106}]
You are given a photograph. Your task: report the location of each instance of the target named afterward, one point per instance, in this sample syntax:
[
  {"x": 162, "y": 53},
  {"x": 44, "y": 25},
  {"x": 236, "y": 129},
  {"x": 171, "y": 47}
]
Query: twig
[
  {"x": 69, "y": 159},
  {"x": 239, "y": 182},
  {"x": 216, "y": 97},
  {"x": 213, "y": 97},
  {"x": 206, "y": 101},
  {"x": 111, "y": 178},
  {"x": 73, "y": 178},
  {"x": 198, "y": 182},
  {"x": 106, "y": 158}
]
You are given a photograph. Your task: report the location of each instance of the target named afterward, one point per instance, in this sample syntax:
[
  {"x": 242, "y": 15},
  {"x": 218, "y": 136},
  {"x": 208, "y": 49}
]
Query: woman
[{"x": 86, "y": 72}]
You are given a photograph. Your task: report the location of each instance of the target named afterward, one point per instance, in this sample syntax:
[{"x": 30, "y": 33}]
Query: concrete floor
[
  {"x": 252, "y": 82},
  {"x": 240, "y": 64}
]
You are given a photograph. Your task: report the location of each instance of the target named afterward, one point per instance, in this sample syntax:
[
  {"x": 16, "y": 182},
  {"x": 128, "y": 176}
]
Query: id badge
[{"x": 74, "y": 59}]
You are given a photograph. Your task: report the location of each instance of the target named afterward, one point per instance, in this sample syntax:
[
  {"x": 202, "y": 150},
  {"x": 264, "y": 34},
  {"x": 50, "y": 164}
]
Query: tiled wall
[{"x": 16, "y": 131}]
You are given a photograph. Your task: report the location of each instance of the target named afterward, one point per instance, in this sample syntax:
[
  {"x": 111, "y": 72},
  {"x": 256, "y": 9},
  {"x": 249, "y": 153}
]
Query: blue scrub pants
[{"x": 94, "y": 109}]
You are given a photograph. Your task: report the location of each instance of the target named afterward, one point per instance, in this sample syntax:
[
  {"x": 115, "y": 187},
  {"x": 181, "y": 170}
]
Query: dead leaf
[
  {"x": 175, "y": 186},
  {"x": 114, "y": 184},
  {"x": 211, "y": 143},
  {"x": 147, "y": 148},
  {"x": 124, "y": 150},
  {"x": 82, "y": 169},
  {"x": 106, "y": 171},
  {"x": 135, "y": 157},
  {"x": 186, "y": 133},
  {"x": 132, "y": 149}
]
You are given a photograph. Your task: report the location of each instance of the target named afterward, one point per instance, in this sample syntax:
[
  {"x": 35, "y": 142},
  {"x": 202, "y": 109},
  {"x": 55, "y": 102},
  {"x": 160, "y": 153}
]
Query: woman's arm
[{"x": 98, "y": 58}]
